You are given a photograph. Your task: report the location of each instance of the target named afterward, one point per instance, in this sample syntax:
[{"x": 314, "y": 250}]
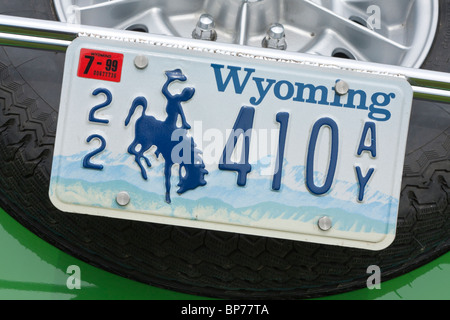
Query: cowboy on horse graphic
[{"x": 152, "y": 132}]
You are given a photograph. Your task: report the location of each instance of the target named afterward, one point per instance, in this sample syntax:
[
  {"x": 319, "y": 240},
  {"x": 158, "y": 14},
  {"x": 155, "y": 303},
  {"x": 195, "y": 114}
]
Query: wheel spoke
[
  {"x": 153, "y": 20},
  {"x": 362, "y": 42},
  {"x": 111, "y": 13}
]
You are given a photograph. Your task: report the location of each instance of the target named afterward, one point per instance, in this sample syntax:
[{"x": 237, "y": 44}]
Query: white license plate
[{"x": 218, "y": 141}]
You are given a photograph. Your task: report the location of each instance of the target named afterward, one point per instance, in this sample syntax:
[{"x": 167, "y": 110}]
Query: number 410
[{"x": 244, "y": 124}]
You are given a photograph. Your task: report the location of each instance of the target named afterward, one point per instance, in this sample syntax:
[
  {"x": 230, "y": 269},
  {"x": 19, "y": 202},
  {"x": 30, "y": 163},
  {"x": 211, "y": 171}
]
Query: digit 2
[
  {"x": 87, "y": 159},
  {"x": 107, "y": 93}
]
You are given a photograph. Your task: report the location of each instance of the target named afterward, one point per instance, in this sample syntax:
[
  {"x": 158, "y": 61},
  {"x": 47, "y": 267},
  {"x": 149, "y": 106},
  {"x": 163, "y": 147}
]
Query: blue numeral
[
  {"x": 107, "y": 93},
  {"x": 333, "y": 156},
  {"x": 87, "y": 159},
  {"x": 283, "y": 120},
  {"x": 242, "y": 126}
]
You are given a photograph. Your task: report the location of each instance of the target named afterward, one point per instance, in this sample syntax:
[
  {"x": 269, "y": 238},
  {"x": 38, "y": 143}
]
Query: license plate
[{"x": 227, "y": 142}]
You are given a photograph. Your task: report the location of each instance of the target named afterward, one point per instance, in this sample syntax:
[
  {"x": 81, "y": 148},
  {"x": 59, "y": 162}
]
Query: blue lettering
[
  {"x": 351, "y": 97},
  {"x": 386, "y": 100},
  {"x": 288, "y": 94},
  {"x": 108, "y": 95},
  {"x": 232, "y": 75},
  {"x": 310, "y": 184},
  {"x": 368, "y": 126},
  {"x": 262, "y": 91},
  {"x": 283, "y": 120},
  {"x": 284, "y": 90},
  {"x": 312, "y": 93},
  {"x": 242, "y": 126},
  {"x": 362, "y": 181},
  {"x": 337, "y": 99},
  {"x": 87, "y": 159}
]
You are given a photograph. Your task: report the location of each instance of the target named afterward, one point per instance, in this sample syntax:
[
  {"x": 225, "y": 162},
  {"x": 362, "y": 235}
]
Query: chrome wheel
[{"x": 397, "y": 32}]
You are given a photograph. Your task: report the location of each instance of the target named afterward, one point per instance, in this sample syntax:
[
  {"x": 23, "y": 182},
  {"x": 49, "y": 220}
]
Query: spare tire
[{"x": 211, "y": 263}]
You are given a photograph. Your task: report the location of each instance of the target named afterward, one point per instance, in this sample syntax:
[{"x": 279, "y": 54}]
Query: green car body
[{"x": 32, "y": 269}]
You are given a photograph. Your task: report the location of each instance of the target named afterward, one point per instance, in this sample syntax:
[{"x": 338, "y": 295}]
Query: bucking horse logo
[{"x": 152, "y": 132}]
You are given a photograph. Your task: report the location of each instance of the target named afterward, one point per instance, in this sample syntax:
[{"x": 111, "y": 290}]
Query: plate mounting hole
[
  {"x": 343, "y": 53},
  {"x": 359, "y": 20},
  {"x": 138, "y": 28}
]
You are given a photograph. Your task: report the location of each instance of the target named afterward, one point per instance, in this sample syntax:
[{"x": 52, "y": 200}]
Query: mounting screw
[
  {"x": 141, "y": 62},
  {"x": 123, "y": 198},
  {"x": 341, "y": 87},
  {"x": 275, "y": 37},
  {"x": 324, "y": 223},
  {"x": 205, "y": 29}
]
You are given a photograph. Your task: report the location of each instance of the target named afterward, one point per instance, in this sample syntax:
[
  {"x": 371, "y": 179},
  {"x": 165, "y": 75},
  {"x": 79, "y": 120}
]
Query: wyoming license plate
[{"x": 225, "y": 142}]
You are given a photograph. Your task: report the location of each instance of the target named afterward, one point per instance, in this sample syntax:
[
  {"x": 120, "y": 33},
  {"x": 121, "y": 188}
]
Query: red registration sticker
[{"x": 100, "y": 65}]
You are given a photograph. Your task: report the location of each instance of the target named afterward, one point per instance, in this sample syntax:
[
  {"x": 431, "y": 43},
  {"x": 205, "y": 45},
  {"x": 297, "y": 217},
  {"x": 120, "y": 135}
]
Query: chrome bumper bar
[{"x": 57, "y": 36}]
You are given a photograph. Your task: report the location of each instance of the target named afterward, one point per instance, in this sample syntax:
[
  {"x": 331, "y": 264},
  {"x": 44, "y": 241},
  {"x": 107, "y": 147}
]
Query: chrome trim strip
[{"x": 57, "y": 36}]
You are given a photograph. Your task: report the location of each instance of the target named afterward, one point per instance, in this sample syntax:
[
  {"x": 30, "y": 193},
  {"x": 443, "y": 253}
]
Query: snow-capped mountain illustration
[{"x": 221, "y": 199}]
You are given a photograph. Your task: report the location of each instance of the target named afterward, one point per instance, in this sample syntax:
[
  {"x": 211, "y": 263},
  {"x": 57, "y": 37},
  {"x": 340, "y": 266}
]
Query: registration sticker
[{"x": 100, "y": 65}]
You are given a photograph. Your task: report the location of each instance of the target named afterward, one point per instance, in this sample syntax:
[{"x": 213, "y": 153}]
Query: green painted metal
[
  {"x": 31, "y": 268},
  {"x": 429, "y": 282}
]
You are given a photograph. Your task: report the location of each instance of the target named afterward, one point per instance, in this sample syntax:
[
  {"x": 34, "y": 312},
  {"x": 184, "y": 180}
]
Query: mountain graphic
[{"x": 226, "y": 201}]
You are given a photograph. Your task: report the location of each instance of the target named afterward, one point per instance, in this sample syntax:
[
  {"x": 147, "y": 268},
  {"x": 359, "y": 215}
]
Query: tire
[{"x": 211, "y": 263}]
